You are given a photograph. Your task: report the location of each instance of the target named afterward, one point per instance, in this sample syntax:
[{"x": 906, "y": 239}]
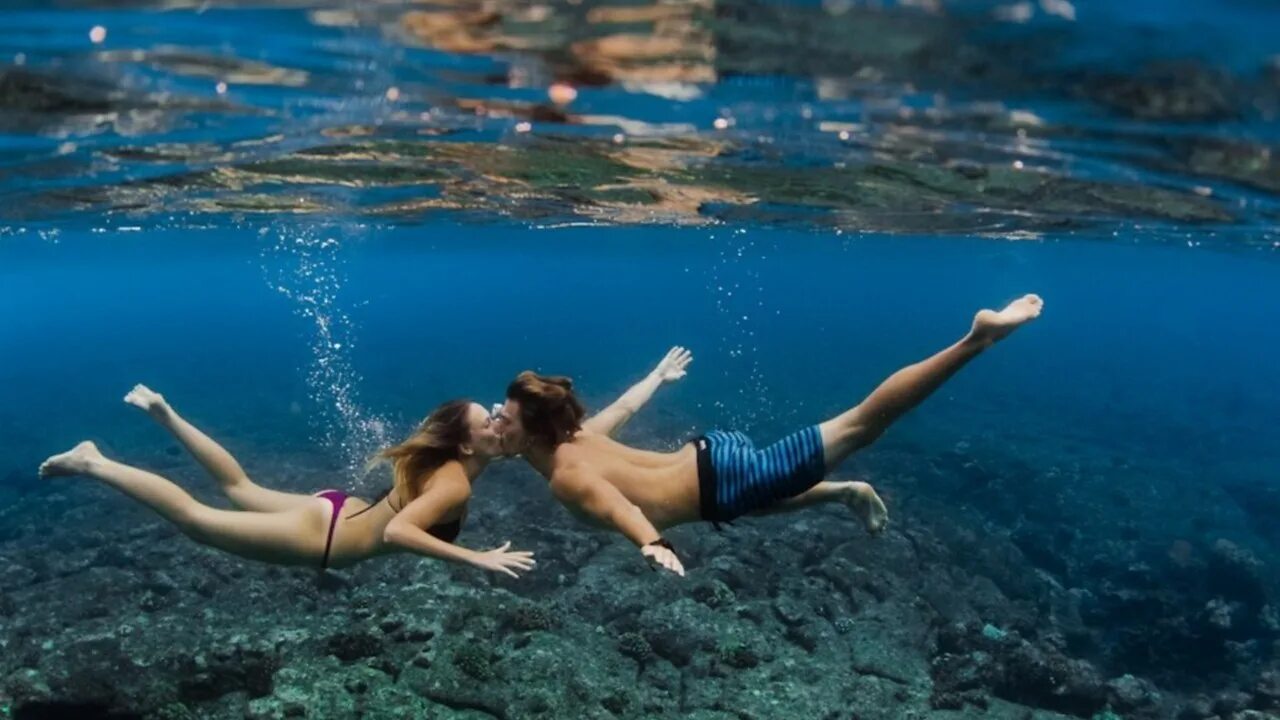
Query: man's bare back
[
  {"x": 722, "y": 475},
  {"x": 663, "y": 485}
]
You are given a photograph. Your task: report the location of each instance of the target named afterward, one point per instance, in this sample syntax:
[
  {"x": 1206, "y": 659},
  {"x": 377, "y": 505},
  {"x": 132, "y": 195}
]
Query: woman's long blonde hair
[{"x": 437, "y": 440}]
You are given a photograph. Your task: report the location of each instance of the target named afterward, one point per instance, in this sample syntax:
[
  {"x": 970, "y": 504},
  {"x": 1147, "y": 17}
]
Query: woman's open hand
[{"x": 500, "y": 559}]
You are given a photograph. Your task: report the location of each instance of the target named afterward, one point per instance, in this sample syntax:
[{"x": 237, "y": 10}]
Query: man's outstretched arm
[
  {"x": 587, "y": 493},
  {"x": 672, "y": 368}
]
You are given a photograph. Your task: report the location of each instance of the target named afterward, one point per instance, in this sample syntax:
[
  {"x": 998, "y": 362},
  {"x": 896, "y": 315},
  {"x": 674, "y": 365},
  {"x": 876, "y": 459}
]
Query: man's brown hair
[{"x": 549, "y": 410}]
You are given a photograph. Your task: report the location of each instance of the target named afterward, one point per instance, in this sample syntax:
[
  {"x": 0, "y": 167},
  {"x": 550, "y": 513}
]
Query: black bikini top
[{"x": 447, "y": 532}]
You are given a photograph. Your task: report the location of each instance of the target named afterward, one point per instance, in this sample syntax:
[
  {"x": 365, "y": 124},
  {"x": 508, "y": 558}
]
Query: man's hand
[
  {"x": 673, "y": 366},
  {"x": 506, "y": 561},
  {"x": 658, "y": 555}
]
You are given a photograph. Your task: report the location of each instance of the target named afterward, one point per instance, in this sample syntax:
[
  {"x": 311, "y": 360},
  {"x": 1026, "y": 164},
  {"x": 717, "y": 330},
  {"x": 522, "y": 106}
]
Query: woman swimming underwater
[{"x": 423, "y": 511}]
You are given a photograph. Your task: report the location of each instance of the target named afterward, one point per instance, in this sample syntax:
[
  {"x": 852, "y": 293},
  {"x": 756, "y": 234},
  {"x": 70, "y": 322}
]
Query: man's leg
[
  {"x": 860, "y": 497},
  {"x": 861, "y": 425}
]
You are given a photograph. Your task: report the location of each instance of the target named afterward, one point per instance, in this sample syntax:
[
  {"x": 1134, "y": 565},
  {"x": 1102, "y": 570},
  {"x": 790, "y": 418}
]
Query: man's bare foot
[
  {"x": 149, "y": 400},
  {"x": 72, "y": 462},
  {"x": 990, "y": 326},
  {"x": 867, "y": 505}
]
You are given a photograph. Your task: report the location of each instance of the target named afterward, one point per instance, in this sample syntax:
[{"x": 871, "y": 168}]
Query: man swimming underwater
[{"x": 721, "y": 475}]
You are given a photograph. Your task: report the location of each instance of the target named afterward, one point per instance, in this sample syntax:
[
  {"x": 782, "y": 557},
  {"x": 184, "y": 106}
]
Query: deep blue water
[
  {"x": 305, "y": 262},
  {"x": 1152, "y": 354},
  {"x": 1140, "y": 347}
]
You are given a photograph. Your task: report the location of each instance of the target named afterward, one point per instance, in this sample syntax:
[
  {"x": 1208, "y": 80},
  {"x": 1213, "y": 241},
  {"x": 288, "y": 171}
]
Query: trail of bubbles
[
  {"x": 306, "y": 266},
  {"x": 739, "y": 294}
]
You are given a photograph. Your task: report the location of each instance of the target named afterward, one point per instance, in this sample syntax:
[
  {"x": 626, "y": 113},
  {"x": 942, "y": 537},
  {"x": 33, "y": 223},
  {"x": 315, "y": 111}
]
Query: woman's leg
[
  {"x": 216, "y": 460},
  {"x": 860, "y": 426},
  {"x": 860, "y": 497},
  {"x": 293, "y": 537}
]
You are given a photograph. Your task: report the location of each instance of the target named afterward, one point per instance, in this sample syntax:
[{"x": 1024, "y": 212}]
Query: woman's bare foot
[
  {"x": 75, "y": 461},
  {"x": 990, "y": 326},
  {"x": 867, "y": 505},
  {"x": 149, "y": 400}
]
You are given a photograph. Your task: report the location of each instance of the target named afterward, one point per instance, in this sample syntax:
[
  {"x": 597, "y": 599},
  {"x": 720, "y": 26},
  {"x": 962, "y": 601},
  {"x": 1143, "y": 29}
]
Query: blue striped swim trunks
[{"x": 735, "y": 478}]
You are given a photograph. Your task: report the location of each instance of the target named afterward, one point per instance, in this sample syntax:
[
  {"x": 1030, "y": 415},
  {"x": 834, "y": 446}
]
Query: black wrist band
[{"x": 661, "y": 542}]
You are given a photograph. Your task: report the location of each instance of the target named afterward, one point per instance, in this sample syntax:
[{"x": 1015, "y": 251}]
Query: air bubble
[{"x": 310, "y": 274}]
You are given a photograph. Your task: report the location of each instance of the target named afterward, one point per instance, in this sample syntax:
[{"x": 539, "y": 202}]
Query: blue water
[{"x": 305, "y": 263}]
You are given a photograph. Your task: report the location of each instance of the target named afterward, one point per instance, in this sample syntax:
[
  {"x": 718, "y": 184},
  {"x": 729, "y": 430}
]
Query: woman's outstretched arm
[{"x": 446, "y": 492}]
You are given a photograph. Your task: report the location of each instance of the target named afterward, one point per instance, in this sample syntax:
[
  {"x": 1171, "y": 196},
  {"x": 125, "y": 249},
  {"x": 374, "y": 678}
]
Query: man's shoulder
[
  {"x": 567, "y": 481},
  {"x": 572, "y": 449}
]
